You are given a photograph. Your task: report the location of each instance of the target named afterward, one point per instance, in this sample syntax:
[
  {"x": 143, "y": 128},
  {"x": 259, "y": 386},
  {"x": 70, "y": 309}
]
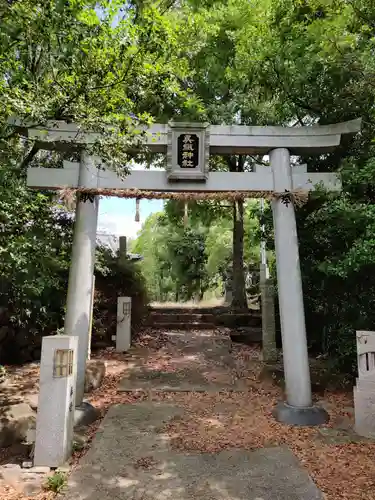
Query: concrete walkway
[{"x": 132, "y": 458}]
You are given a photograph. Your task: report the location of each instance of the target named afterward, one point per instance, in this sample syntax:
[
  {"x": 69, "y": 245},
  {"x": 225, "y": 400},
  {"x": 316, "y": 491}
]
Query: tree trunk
[{"x": 239, "y": 301}]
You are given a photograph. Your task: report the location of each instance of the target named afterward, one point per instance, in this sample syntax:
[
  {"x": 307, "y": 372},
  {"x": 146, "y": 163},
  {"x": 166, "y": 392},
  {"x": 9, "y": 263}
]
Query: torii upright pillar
[
  {"x": 298, "y": 409},
  {"x": 79, "y": 299}
]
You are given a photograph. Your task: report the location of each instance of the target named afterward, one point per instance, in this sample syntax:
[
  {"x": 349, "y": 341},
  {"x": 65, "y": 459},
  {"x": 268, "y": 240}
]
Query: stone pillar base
[
  {"x": 364, "y": 408},
  {"x": 85, "y": 414},
  {"x": 269, "y": 355},
  {"x": 309, "y": 417}
]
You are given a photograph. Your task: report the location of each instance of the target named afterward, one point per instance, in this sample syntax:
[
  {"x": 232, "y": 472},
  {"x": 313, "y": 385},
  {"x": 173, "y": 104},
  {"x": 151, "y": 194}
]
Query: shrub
[
  {"x": 56, "y": 482},
  {"x": 117, "y": 278}
]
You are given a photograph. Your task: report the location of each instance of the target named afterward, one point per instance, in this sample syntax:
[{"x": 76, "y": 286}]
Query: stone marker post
[
  {"x": 91, "y": 317},
  {"x": 54, "y": 421},
  {"x": 269, "y": 351},
  {"x": 298, "y": 409},
  {"x": 123, "y": 331},
  {"x": 364, "y": 391},
  {"x": 228, "y": 287},
  {"x": 122, "y": 248},
  {"x": 78, "y": 307}
]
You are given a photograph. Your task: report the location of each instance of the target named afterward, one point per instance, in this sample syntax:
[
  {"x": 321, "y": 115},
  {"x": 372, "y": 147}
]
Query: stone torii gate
[{"x": 188, "y": 147}]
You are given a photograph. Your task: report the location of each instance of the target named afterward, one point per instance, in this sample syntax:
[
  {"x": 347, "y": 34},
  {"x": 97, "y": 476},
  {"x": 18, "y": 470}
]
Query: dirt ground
[{"x": 341, "y": 464}]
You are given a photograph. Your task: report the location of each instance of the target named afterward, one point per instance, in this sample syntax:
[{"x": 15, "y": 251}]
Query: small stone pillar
[
  {"x": 54, "y": 421},
  {"x": 123, "y": 331},
  {"x": 298, "y": 409},
  {"x": 91, "y": 317},
  {"x": 364, "y": 391},
  {"x": 122, "y": 247},
  {"x": 228, "y": 287},
  {"x": 269, "y": 351}
]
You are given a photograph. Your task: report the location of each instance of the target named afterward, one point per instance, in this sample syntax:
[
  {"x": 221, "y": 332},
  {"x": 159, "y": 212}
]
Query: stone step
[
  {"x": 184, "y": 326},
  {"x": 156, "y": 317},
  {"x": 237, "y": 320},
  {"x": 247, "y": 335},
  {"x": 189, "y": 310},
  {"x": 225, "y": 320},
  {"x": 217, "y": 311}
]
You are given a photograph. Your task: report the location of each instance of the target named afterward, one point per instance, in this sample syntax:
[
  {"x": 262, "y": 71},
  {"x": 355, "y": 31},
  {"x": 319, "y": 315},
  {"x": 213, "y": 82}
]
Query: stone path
[
  {"x": 132, "y": 456},
  {"x": 197, "y": 362}
]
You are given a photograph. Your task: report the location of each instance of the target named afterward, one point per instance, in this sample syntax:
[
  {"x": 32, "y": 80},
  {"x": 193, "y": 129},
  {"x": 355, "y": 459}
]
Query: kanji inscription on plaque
[{"x": 188, "y": 151}]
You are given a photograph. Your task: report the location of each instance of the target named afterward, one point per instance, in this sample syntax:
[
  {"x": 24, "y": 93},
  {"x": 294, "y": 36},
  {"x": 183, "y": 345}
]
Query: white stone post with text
[
  {"x": 56, "y": 402},
  {"x": 364, "y": 391},
  {"x": 123, "y": 332}
]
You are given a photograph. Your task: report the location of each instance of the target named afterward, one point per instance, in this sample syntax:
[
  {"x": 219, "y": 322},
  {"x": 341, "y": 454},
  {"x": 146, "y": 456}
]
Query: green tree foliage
[
  {"x": 35, "y": 243},
  {"x": 174, "y": 262},
  {"x": 107, "y": 66},
  {"x": 151, "y": 245},
  {"x": 185, "y": 262},
  {"x": 186, "y": 252},
  {"x": 313, "y": 62}
]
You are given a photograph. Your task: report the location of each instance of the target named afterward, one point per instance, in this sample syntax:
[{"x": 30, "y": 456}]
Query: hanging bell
[
  {"x": 186, "y": 214},
  {"x": 137, "y": 217}
]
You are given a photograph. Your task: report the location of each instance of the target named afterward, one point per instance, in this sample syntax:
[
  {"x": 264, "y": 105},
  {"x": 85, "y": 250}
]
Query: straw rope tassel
[
  {"x": 186, "y": 214},
  {"x": 137, "y": 217}
]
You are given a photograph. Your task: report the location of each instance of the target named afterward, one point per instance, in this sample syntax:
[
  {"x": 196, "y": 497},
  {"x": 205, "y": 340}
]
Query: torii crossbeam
[
  {"x": 224, "y": 139},
  {"x": 261, "y": 180}
]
